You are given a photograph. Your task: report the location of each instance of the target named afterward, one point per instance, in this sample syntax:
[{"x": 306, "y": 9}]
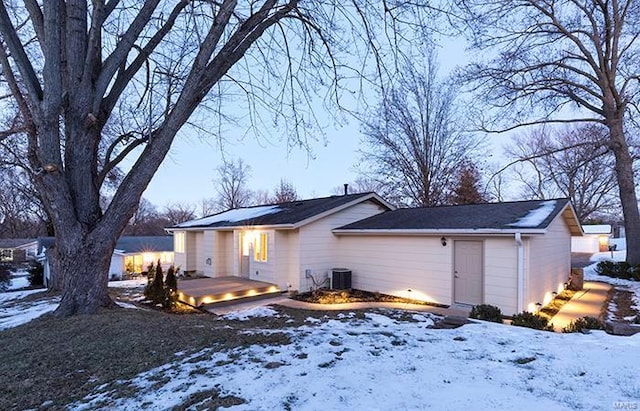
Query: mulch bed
[{"x": 324, "y": 296}]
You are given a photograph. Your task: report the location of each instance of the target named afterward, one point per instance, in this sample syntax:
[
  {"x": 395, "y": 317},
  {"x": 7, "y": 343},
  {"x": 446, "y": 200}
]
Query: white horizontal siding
[
  {"x": 550, "y": 262},
  {"x": 396, "y": 264},
  {"x": 501, "y": 274},
  {"x": 224, "y": 257},
  {"x": 319, "y": 246}
]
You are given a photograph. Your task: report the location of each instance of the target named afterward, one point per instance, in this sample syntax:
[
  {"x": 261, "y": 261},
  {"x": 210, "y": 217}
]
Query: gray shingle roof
[
  {"x": 491, "y": 216},
  {"x": 276, "y": 214},
  {"x": 128, "y": 244}
]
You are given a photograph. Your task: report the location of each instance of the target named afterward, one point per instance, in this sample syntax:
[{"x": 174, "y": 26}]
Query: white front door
[{"x": 467, "y": 272}]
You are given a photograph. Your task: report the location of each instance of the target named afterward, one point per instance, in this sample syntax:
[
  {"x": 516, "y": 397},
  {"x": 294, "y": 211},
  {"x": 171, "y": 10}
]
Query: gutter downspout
[{"x": 518, "y": 238}]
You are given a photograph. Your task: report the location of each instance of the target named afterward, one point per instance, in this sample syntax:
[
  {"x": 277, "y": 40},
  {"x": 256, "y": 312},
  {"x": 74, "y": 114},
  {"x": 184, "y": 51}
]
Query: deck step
[{"x": 201, "y": 292}]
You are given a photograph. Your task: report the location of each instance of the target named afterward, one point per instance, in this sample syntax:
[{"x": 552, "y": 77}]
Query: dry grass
[{"x": 59, "y": 361}]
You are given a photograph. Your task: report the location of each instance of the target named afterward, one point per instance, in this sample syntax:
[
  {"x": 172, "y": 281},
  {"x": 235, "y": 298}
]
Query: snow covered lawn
[
  {"x": 378, "y": 362},
  {"x": 17, "y": 309}
]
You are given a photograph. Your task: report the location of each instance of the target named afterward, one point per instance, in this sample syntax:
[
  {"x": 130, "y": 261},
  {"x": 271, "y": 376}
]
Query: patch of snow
[
  {"x": 620, "y": 243},
  {"x": 250, "y": 313},
  {"x": 18, "y": 314},
  {"x": 18, "y": 282},
  {"x": 354, "y": 364},
  {"x": 609, "y": 256},
  {"x": 535, "y": 217},
  {"x": 422, "y": 319},
  {"x": 232, "y": 216},
  {"x": 127, "y": 305},
  {"x": 312, "y": 320},
  {"x": 18, "y": 295},
  {"x": 597, "y": 229},
  {"x": 141, "y": 282}
]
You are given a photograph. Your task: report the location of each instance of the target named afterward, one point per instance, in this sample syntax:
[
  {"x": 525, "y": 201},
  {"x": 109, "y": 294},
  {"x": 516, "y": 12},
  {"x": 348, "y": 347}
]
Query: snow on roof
[
  {"x": 597, "y": 229},
  {"x": 238, "y": 214},
  {"x": 535, "y": 217}
]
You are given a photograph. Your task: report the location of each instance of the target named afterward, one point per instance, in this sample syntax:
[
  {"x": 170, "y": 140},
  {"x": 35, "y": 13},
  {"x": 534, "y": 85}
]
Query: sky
[{"x": 188, "y": 174}]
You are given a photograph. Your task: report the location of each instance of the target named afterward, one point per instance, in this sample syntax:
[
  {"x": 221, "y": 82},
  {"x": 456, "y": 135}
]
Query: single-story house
[
  {"x": 596, "y": 238},
  {"x": 132, "y": 254},
  {"x": 18, "y": 250},
  {"x": 513, "y": 255},
  {"x": 288, "y": 244}
]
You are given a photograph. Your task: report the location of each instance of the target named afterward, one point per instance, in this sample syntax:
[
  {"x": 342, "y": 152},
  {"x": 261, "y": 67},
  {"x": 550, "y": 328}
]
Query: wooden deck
[{"x": 203, "y": 291}]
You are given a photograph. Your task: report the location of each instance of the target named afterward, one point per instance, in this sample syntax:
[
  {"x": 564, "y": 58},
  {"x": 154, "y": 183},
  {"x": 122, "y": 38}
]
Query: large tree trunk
[
  {"x": 83, "y": 264},
  {"x": 627, "y": 187}
]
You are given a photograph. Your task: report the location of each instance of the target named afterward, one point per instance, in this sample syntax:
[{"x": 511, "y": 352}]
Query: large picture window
[{"x": 260, "y": 247}]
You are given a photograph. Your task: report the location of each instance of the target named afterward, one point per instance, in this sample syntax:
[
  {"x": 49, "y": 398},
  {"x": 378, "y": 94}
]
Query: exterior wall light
[{"x": 443, "y": 241}]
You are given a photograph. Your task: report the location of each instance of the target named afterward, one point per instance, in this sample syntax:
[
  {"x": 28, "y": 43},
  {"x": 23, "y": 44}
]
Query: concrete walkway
[
  {"x": 285, "y": 301},
  {"x": 589, "y": 302}
]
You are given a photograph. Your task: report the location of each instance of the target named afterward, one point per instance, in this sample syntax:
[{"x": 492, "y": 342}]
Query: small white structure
[
  {"x": 513, "y": 255},
  {"x": 18, "y": 250},
  {"x": 132, "y": 255},
  {"x": 596, "y": 239}
]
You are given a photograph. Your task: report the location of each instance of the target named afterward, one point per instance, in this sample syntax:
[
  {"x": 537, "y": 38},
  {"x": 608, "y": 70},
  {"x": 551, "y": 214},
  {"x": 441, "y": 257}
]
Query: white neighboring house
[
  {"x": 18, "y": 250},
  {"x": 513, "y": 255},
  {"x": 596, "y": 238},
  {"x": 132, "y": 255}
]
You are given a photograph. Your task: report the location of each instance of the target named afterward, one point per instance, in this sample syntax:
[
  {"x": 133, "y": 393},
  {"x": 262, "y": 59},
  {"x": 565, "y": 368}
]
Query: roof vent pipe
[{"x": 346, "y": 188}]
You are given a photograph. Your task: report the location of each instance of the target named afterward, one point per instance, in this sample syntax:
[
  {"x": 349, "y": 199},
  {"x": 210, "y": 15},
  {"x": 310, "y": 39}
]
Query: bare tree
[
  {"x": 73, "y": 67},
  {"x": 231, "y": 185},
  {"x": 562, "y": 62},
  {"x": 416, "y": 140},
  {"x": 568, "y": 162},
  {"x": 177, "y": 213},
  {"x": 285, "y": 192},
  {"x": 261, "y": 196}
]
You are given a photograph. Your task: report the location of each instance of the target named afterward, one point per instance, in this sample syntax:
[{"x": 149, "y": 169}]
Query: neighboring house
[
  {"x": 131, "y": 255},
  {"x": 288, "y": 244},
  {"x": 596, "y": 238},
  {"x": 513, "y": 255},
  {"x": 18, "y": 250}
]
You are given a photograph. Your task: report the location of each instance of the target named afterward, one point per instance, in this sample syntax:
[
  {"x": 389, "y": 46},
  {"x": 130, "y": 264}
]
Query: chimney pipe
[{"x": 346, "y": 188}]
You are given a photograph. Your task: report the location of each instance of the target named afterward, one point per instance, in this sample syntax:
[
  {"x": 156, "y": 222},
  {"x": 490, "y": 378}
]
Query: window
[
  {"x": 179, "y": 241},
  {"x": 6, "y": 254},
  {"x": 260, "y": 248}
]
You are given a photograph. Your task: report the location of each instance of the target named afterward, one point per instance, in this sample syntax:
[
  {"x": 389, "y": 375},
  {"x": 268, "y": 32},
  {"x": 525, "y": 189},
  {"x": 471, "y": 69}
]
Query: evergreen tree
[
  {"x": 171, "y": 288},
  {"x": 467, "y": 189},
  {"x": 157, "y": 286}
]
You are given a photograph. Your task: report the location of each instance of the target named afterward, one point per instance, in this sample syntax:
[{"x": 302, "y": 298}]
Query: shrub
[
  {"x": 530, "y": 320},
  {"x": 155, "y": 288},
  {"x": 36, "y": 274},
  {"x": 583, "y": 323},
  {"x": 170, "y": 288},
  {"x": 5, "y": 276},
  {"x": 620, "y": 269},
  {"x": 486, "y": 312}
]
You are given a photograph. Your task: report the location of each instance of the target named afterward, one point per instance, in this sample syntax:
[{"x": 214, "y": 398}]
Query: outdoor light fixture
[
  {"x": 443, "y": 241},
  {"x": 538, "y": 307}
]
